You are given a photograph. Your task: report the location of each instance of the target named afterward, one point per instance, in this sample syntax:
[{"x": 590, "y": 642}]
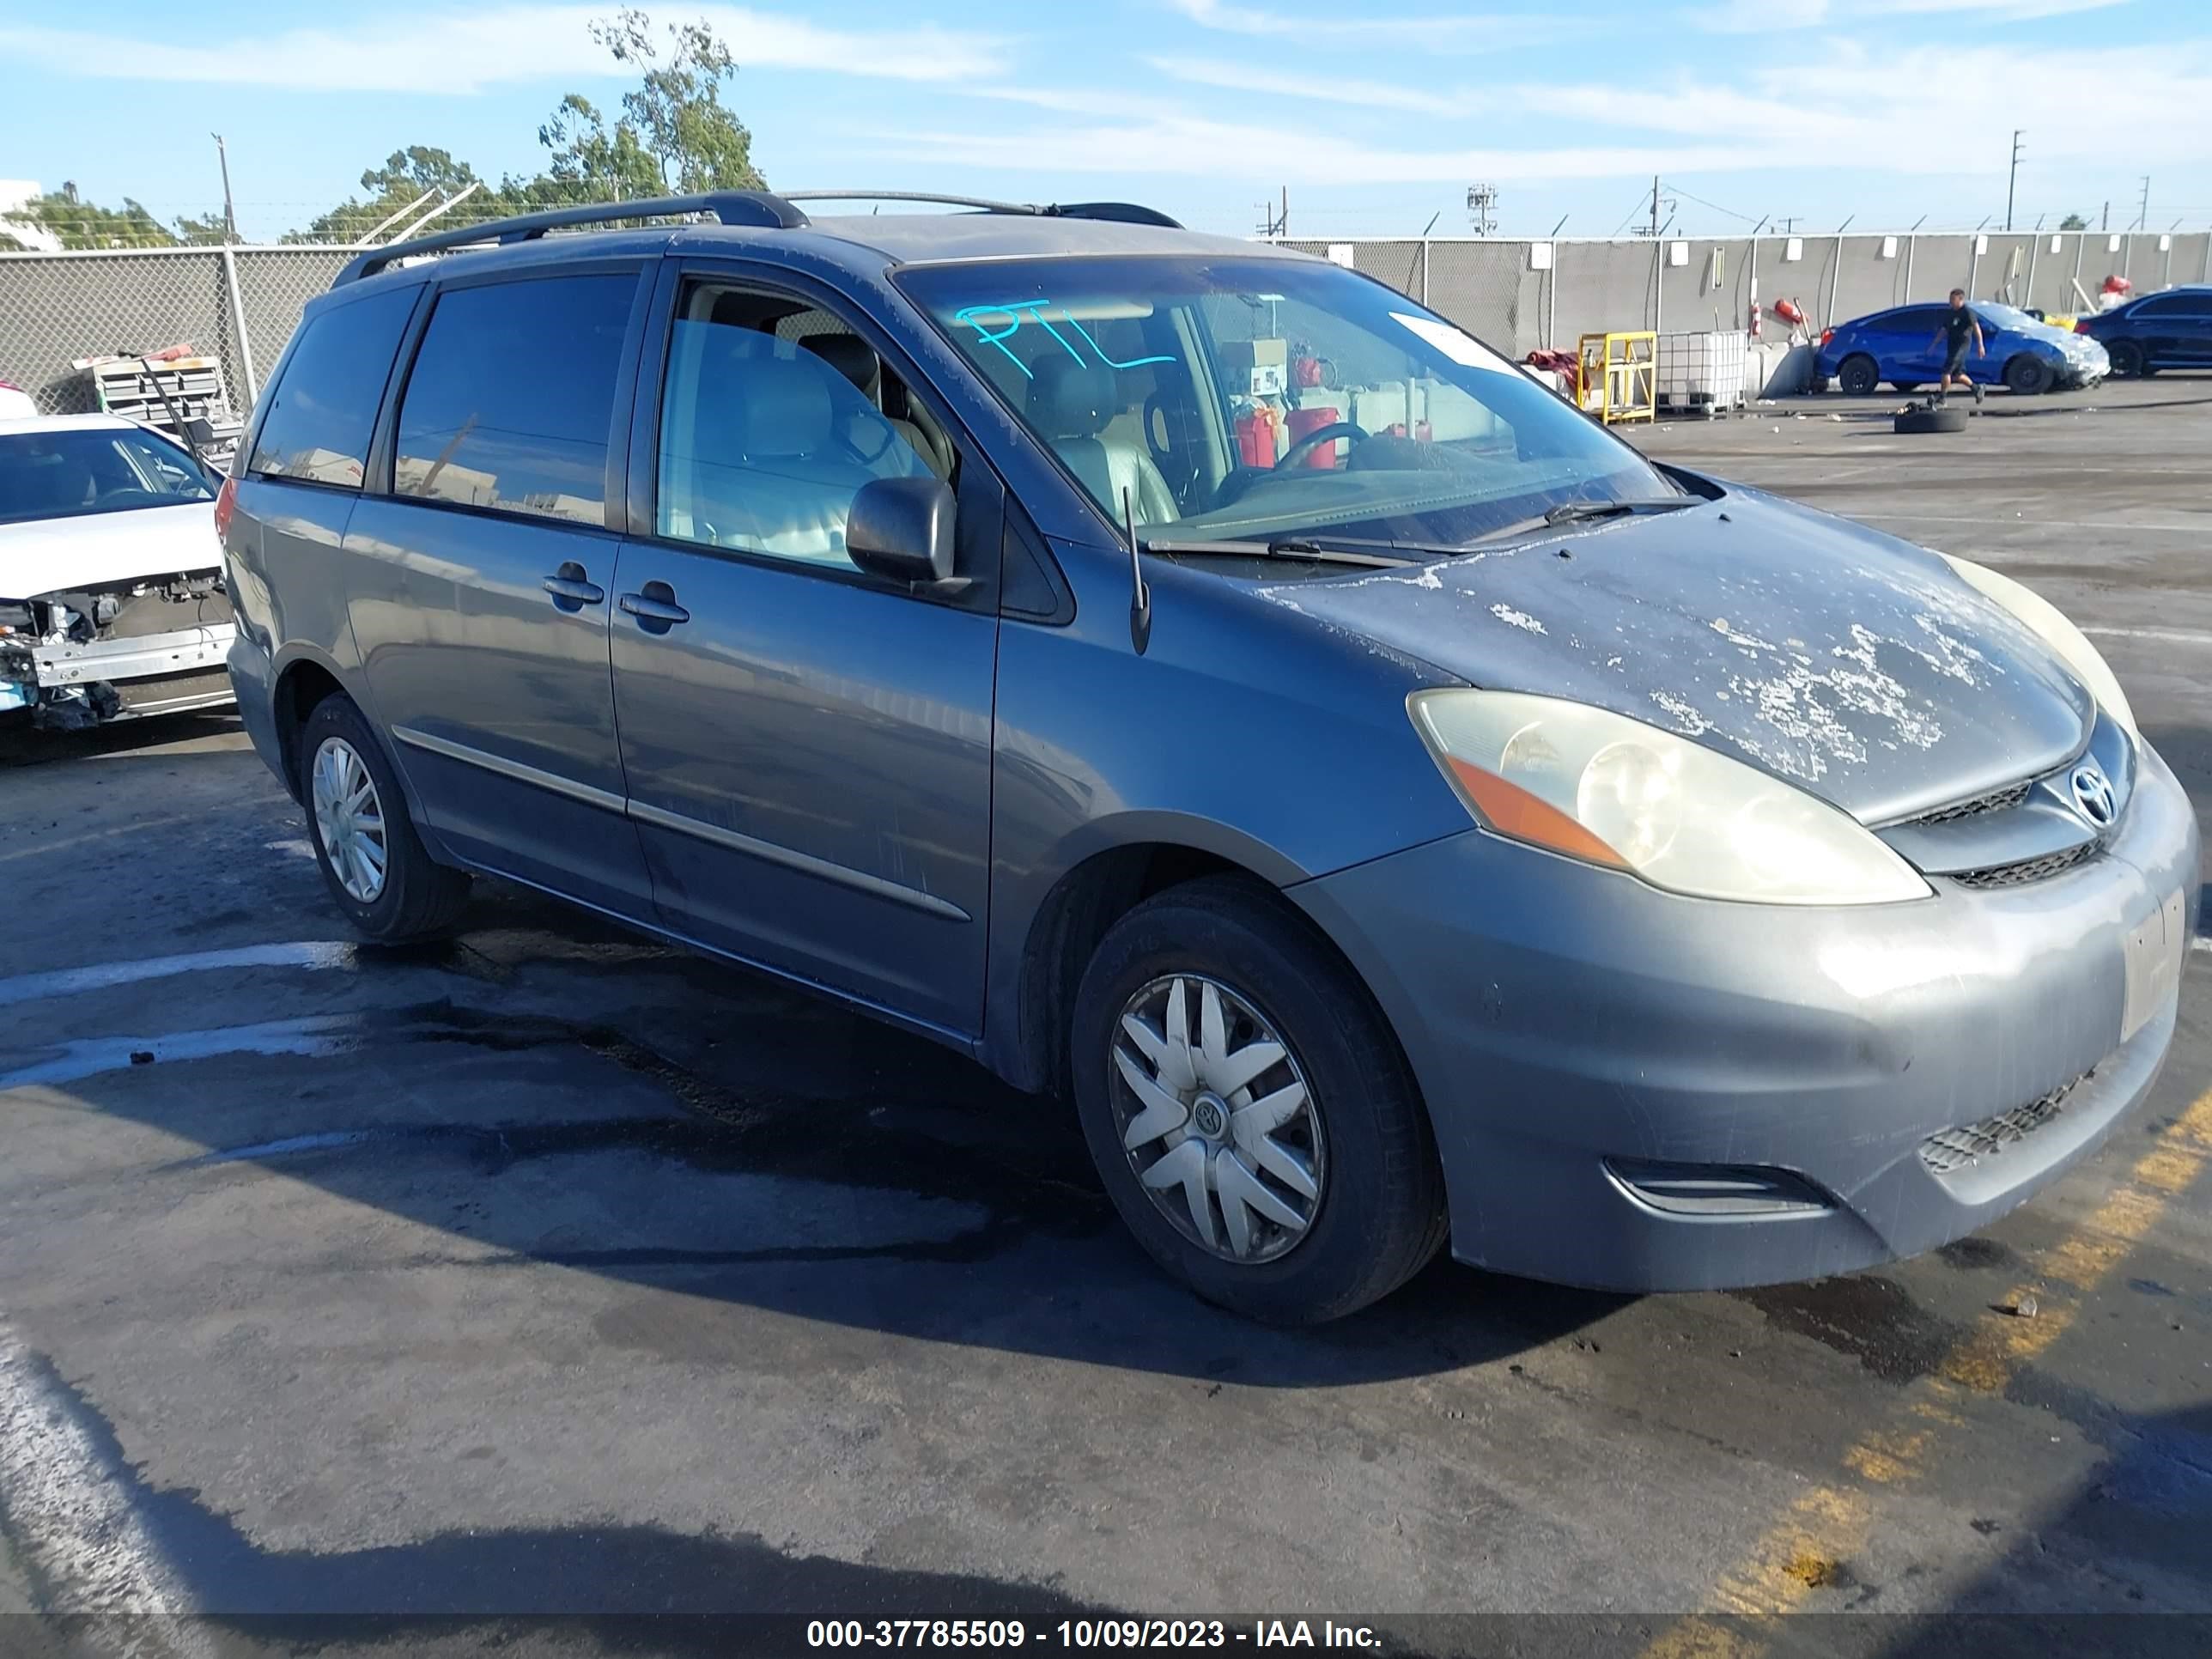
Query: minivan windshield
[
  {"x": 1262, "y": 398},
  {"x": 70, "y": 473}
]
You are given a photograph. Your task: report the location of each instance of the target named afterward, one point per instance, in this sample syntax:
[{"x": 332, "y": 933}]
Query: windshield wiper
[
  {"x": 1566, "y": 512},
  {"x": 1299, "y": 551}
]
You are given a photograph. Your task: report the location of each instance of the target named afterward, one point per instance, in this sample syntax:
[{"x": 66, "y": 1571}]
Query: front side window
[
  {"x": 322, "y": 406},
  {"x": 773, "y": 414},
  {"x": 512, "y": 395},
  {"x": 74, "y": 472},
  {"x": 1229, "y": 398}
]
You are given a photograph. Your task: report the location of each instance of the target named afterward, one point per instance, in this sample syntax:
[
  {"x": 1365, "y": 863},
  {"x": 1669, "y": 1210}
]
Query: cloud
[
  {"x": 1460, "y": 32},
  {"x": 1237, "y": 76},
  {"x": 471, "y": 51},
  {"x": 1865, "y": 112},
  {"x": 1772, "y": 16}
]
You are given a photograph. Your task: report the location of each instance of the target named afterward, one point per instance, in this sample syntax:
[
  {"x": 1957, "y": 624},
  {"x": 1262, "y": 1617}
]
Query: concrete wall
[{"x": 1490, "y": 288}]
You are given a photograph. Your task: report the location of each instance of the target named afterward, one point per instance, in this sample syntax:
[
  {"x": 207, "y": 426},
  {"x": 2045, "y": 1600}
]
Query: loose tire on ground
[
  {"x": 1859, "y": 376},
  {"x": 2028, "y": 377},
  {"x": 412, "y": 896},
  {"x": 1917, "y": 420},
  {"x": 1377, "y": 1214}
]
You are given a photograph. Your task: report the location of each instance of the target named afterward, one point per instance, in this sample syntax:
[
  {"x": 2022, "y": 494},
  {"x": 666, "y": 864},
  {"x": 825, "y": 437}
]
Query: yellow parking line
[{"x": 1804, "y": 1551}]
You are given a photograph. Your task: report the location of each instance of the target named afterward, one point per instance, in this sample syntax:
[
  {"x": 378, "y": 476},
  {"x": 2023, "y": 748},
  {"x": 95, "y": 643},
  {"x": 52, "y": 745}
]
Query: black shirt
[{"x": 1957, "y": 328}]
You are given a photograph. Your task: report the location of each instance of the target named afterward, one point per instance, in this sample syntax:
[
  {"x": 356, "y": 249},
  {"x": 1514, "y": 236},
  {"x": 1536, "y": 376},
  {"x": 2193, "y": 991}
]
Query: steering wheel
[{"x": 1314, "y": 439}]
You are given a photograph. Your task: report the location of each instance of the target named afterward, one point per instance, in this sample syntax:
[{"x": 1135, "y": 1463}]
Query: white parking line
[
  {"x": 69, "y": 1513},
  {"x": 2040, "y": 523},
  {"x": 312, "y": 1034},
  {"x": 2163, "y": 636},
  {"x": 312, "y": 953}
]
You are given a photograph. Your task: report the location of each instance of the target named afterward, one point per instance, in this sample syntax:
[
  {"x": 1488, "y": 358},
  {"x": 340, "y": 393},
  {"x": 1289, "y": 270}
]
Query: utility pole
[
  {"x": 2106, "y": 223},
  {"x": 2012, "y": 178},
  {"x": 1482, "y": 200},
  {"x": 1655, "y": 206},
  {"x": 1282, "y": 220},
  {"x": 230, "y": 217},
  {"x": 2143, "y": 219}
]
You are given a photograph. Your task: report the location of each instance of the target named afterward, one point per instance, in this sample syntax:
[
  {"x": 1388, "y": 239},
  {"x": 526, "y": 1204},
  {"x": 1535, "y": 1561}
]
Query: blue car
[
  {"x": 1902, "y": 347},
  {"x": 2172, "y": 328}
]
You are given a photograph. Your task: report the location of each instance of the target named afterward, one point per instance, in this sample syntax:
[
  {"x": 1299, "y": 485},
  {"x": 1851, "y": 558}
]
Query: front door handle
[
  {"x": 655, "y": 608},
  {"x": 570, "y": 587}
]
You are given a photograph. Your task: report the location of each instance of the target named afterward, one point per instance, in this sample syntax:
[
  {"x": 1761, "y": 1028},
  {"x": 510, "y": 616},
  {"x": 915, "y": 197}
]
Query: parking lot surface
[{"x": 553, "y": 1271}]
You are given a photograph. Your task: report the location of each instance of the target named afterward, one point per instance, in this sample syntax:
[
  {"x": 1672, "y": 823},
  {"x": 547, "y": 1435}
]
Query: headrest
[
  {"x": 783, "y": 403},
  {"x": 1069, "y": 399},
  {"x": 852, "y": 357}
]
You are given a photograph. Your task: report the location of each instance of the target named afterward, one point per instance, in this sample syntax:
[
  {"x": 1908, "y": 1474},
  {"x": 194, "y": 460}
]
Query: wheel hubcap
[
  {"x": 1217, "y": 1118},
  {"x": 350, "y": 819}
]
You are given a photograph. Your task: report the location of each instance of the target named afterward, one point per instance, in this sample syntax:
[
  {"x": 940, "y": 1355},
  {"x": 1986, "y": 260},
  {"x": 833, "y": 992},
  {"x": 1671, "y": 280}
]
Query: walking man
[{"x": 1960, "y": 328}]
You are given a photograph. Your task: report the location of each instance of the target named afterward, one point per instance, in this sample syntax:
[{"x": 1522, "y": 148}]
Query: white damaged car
[{"x": 112, "y": 598}]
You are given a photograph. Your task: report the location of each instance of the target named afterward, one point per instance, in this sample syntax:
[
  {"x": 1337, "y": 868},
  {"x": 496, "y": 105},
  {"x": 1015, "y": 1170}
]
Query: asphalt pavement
[{"x": 553, "y": 1274}]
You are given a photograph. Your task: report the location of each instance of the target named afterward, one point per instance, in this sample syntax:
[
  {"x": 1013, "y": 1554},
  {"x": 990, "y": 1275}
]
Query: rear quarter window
[
  {"x": 511, "y": 399},
  {"x": 323, "y": 407}
]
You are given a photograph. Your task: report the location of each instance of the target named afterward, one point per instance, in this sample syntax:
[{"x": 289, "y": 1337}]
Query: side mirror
[{"x": 902, "y": 529}]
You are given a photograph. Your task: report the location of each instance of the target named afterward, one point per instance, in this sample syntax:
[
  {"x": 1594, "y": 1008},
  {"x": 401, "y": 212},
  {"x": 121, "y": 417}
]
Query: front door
[
  {"x": 808, "y": 749},
  {"x": 480, "y": 587}
]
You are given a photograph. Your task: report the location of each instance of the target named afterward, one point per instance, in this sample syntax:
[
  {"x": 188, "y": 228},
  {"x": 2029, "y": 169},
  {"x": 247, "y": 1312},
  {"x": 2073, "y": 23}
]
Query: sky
[{"x": 1376, "y": 115}]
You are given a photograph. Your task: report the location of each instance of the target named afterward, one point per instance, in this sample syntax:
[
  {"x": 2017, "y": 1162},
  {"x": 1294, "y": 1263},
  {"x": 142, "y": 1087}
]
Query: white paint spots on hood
[{"x": 1506, "y": 613}]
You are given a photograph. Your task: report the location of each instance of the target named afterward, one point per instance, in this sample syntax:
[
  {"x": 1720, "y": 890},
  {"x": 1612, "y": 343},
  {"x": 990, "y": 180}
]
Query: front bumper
[
  {"x": 147, "y": 674},
  {"x": 1574, "y": 1031}
]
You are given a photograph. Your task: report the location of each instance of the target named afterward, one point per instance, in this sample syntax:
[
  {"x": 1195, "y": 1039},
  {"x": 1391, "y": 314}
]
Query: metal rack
[{"x": 184, "y": 397}]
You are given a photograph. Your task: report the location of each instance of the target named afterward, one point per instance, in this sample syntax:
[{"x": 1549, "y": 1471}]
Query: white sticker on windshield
[{"x": 1455, "y": 343}]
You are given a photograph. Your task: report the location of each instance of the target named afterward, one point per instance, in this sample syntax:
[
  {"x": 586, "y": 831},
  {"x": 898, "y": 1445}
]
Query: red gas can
[{"x": 1303, "y": 421}]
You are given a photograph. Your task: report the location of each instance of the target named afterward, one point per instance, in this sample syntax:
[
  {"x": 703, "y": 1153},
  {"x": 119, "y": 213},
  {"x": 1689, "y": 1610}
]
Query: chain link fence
[
  {"x": 240, "y": 304},
  {"x": 237, "y": 305}
]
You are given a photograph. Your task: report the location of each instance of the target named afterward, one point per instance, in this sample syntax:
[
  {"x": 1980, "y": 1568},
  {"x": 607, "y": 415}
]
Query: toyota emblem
[{"x": 2093, "y": 793}]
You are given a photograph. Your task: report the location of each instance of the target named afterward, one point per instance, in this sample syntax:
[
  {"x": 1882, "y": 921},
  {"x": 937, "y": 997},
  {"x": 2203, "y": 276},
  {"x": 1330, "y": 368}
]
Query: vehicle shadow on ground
[
  {"x": 709, "y": 1131},
  {"x": 2138, "y": 1527},
  {"x": 22, "y": 744}
]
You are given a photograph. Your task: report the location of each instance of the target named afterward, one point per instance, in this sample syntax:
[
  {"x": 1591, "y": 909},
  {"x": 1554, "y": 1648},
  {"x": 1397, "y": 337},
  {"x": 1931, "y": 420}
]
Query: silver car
[{"x": 1212, "y": 689}]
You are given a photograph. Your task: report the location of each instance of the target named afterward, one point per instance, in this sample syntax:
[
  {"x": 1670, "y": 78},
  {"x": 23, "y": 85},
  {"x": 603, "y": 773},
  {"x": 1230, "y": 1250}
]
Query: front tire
[
  {"x": 2126, "y": 358},
  {"x": 372, "y": 861},
  {"x": 2028, "y": 377},
  {"x": 1248, "y": 1110},
  {"x": 1859, "y": 376}
]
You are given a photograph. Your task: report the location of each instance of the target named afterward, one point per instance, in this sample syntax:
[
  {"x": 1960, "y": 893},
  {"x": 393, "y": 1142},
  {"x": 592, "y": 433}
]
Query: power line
[{"x": 1727, "y": 212}]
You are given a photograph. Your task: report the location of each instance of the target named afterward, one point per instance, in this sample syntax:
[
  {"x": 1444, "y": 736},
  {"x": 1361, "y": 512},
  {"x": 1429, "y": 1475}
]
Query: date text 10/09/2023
[{"x": 1088, "y": 1633}]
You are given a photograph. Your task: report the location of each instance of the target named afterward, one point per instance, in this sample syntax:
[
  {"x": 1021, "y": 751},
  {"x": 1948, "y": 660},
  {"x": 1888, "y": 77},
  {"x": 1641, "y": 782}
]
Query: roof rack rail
[
  {"x": 1123, "y": 212},
  {"x": 757, "y": 208}
]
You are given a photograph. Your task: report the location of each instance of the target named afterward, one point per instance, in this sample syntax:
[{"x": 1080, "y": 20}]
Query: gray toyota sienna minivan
[{"x": 1201, "y": 682}]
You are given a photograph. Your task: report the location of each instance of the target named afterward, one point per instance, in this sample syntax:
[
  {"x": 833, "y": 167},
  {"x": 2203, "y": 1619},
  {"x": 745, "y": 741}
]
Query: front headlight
[
  {"x": 2048, "y": 623},
  {"x": 1612, "y": 790}
]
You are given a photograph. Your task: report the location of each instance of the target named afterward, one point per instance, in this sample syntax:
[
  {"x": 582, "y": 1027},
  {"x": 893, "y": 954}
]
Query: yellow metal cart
[{"x": 1620, "y": 375}]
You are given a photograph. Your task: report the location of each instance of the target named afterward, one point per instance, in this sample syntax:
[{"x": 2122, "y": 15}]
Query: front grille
[
  {"x": 1997, "y": 800},
  {"x": 2027, "y": 869},
  {"x": 1950, "y": 1150}
]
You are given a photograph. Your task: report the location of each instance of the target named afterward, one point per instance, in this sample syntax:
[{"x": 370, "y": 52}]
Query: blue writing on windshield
[{"x": 986, "y": 321}]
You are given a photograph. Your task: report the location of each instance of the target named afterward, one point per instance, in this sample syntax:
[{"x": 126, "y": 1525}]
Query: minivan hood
[
  {"x": 59, "y": 555},
  {"x": 1858, "y": 666}
]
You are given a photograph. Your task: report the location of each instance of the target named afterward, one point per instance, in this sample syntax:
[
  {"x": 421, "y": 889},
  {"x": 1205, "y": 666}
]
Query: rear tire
[
  {"x": 1859, "y": 376},
  {"x": 2028, "y": 377},
  {"x": 1252, "y": 975},
  {"x": 2126, "y": 357},
  {"x": 372, "y": 861}
]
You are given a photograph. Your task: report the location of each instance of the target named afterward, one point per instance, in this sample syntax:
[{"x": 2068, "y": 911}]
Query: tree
[
  {"x": 590, "y": 162},
  {"x": 208, "y": 230},
  {"x": 678, "y": 114},
  {"x": 2073, "y": 221},
  {"x": 77, "y": 223}
]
